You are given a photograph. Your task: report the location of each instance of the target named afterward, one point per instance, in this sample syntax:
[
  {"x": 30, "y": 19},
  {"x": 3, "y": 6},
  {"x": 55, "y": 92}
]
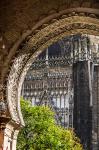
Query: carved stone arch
[
  {"x": 16, "y": 60},
  {"x": 40, "y": 24},
  {"x": 33, "y": 45}
]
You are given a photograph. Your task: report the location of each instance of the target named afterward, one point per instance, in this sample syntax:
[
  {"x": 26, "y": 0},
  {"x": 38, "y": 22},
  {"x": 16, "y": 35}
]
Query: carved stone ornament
[{"x": 34, "y": 44}]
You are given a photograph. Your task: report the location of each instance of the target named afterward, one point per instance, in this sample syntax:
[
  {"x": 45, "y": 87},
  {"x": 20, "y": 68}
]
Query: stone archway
[{"x": 30, "y": 45}]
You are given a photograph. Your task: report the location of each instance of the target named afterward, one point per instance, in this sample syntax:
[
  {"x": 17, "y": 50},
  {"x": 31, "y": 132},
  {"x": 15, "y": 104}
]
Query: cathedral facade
[{"x": 65, "y": 77}]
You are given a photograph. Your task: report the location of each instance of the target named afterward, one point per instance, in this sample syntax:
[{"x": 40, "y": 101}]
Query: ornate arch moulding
[
  {"x": 35, "y": 41},
  {"x": 88, "y": 12}
]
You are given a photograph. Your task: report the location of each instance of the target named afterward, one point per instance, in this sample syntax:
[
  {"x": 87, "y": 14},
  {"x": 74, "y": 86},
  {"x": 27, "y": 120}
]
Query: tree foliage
[{"x": 42, "y": 133}]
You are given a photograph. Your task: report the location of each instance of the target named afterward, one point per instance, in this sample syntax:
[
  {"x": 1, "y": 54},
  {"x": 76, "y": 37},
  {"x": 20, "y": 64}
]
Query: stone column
[
  {"x": 83, "y": 102},
  {"x": 10, "y": 137},
  {"x": 3, "y": 121},
  {"x": 14, "y": 139},
  {"x": 95, "y": 131}
]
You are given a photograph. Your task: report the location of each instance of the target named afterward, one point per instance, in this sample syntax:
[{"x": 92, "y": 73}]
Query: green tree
[{"x": 42, "y": 133}]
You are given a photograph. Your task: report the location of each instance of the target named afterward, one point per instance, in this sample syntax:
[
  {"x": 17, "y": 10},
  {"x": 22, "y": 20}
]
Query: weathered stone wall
[{"x": 19, "y": 15}]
